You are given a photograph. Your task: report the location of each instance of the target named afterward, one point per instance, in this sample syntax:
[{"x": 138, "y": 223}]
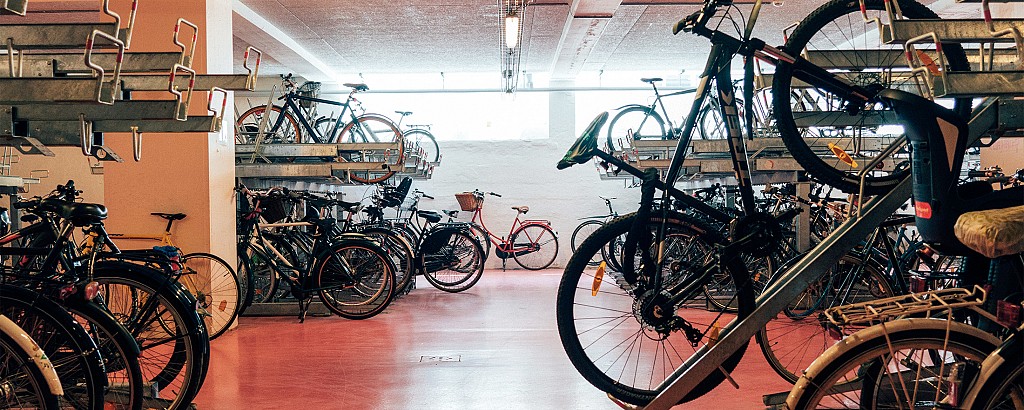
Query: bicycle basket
[
  {"x": 309, "y": 89},
  {"x": 272, "y": 209},
  {"x": 467, "y": 201}
]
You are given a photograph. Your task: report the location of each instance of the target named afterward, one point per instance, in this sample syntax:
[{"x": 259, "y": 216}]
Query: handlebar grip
[
  {"x": 492, "y": 193},
  {"x": 427, "y": 196},
  {"x": 982, "y": 173}
]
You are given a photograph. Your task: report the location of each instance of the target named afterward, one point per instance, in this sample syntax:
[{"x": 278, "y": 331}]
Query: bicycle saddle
[
  {"x": 451, "y": 214},
  {"x": 169, "y": 217},
  {"x": 607, "y": 198},
  {"x": 522, "y": 209},
  {"x": 430, "y": 216},
  {"x": 357, "y": 86},
  {"x": 403, "y": 113},
  {"x": 650, "y": 80},
  {"x": 80, "y": 214},
  {"x": 994, "y": 232}
]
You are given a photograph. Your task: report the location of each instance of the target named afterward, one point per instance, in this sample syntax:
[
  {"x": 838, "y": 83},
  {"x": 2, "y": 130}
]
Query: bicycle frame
[
  {"x": 291, "y": 105},
  {"x": 505, "y": 244}
]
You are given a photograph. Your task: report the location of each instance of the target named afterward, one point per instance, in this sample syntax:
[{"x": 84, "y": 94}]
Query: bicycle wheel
[
  {"x": 74, "y": 355},
  {"x": 534, "y": 246},
  {"x": 482, "y": 238},
  {"x": 245, "y": 279},
  {"x": 381, "y": 164},
  {"x": 215, "y": 287},
  {"x": 120, "y": 354},
  {"x": 425, "y": 141},
  {"x": 262, "y": 274},
  {"x": 325, "y": 127},
  {"x": 583, "y": 232},
  {"x": 636, "y": 122},
  {"x": 249, "y": 125},
  {"x": 791, "y": 343},
  {"x": 457, "y": 265},
  {"x": 613, "y": 336},
  {"x": 26, "y": 381},
  {"x": 907, "y": 363},
  {"x": 399, "y": 250},
  {"x": 1001, "y": 385},
  {"x": 355, "y": 279},
  {"x": 721, "y": 289},
  {"x": 817, "y": 127},
  {"x": 173, "y": 342},
  {"x": 710, "y": 124}
]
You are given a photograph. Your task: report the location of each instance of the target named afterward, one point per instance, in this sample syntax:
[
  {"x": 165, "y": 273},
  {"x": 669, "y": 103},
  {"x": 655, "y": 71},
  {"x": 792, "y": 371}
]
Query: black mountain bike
[{"x": 630, "y": 344}]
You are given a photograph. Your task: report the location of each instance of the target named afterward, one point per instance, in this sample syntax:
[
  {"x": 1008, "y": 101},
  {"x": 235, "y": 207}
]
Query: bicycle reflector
[{"x": 598, "y": 277}]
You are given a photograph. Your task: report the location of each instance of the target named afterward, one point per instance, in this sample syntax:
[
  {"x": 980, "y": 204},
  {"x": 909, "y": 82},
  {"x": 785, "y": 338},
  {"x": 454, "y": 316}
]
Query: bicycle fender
[{"x": 631, "y": 106}]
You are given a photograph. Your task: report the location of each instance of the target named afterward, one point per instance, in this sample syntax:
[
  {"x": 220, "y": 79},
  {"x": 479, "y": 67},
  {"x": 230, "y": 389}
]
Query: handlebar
[
  {"x": 700, "y": 18},
  {"x": 481, "y": 194}
]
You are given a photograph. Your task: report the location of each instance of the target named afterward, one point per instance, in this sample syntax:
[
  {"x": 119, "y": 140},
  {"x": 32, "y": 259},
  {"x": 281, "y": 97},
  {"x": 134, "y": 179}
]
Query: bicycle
[
  {"x": 980, "y": 226},
  {"x": 530, "y": 242},
  {"x": 591, "y": 224},
  {"x": 660, "y": 287},
  {"x": 282, "y": 125},
  {"x": 208, "y": 277},
  {"x": 352, "y": 275},
  {"x": 421, "y": 136}
]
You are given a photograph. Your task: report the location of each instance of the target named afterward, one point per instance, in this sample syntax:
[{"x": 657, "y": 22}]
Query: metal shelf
[
  {"x": 950, "y": 30},
  {"x": 58, "y": 64},
  {"x": 122, "y": 110},
  {"x": 159, "y": 82},
  {"x": 35, "y": 90},
  {"x": 55, "y": 36},
  {"x": 979, "y": 84}
]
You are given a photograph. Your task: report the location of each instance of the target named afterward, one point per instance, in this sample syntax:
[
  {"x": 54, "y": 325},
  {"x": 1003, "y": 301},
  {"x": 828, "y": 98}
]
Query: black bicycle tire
[
  {"x": 395, "y": 241},
  {"x": 575, "y": 240},
  {"x": 432, "y": 149},
  {"x": 708, "y": 109},
  {"x": 119, "y": 349},
  {"x": 392, "y": 165},
  {"x": 565, "y": 304},
  {"x": 214, "y": 328},
  {"x": 191, "y": 350},
  {"x": 646, "y": 110},
  {"x": 791, "y": 136},
  {"x": 75, "y": 357},
  {"x": 381, "y": 300},
  {"x": 259, "y": 293},
  {"x": 553, "y": 242},
  {"x": 470, "y": 279},
  {"x": 31, "y": 375},
  {"x": 482, "y": 238},
  {"x": 766, "y": 343},
  {"x": 289, "y": 119},
  {"x": 1008, "y": 373},
  {"x": 853, "y": 351},
  {"x": 245, "y": 278}
]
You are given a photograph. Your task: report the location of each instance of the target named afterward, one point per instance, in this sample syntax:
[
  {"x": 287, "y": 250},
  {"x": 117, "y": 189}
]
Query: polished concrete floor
[{"x": 495, "y": 346}]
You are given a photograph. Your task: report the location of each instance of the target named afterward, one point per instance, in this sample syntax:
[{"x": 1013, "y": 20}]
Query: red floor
[{"x": 492, "y": 347}]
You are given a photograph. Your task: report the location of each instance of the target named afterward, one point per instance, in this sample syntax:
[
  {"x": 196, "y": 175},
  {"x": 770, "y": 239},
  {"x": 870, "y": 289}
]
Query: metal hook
[
  {"x": 136, "y": 143},
  {"x": 86, "y": 134},
  {"x": 186, "y": 58}
]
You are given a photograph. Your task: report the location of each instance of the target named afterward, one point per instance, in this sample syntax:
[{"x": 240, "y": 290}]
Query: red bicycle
[{"x": 531, "y": 242}]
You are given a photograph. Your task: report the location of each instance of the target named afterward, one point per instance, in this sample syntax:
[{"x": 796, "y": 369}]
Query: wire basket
[
  {"x": 308, "y": 89},
  {"x": 468, "y": 201}
]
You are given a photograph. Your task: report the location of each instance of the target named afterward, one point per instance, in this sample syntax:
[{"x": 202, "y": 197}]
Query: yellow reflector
[
  {"x": 597, "y": 278},
  {"x": 842, "y": 155},
  {"x": 713, "y": 335}
]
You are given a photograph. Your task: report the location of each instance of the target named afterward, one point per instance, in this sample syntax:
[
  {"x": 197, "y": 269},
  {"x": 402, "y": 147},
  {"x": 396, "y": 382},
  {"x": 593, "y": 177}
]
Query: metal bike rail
[
  {"x": 158, "y": 82},
  {"x": 775, "y": 297}
]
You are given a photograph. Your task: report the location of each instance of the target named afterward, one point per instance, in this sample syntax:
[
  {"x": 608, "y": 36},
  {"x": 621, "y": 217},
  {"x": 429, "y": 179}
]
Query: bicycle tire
[
  {"x": 324, "y": 126},
  {"x": 595, "y": 356},
  {"x": 863, "y": 359},
  {"x": 460, "y": 267},
  {"x": 249, "y": 123},
  {"x": 723, "y": 288},
  {"x": 482, "y": 238},
  {"x": 620, "y": 128},
  {"x": 581, "y": 233},
  {"x": 373, "y": 128},
  {"x": 424, "y": 140},
  {"x": 286, "y": 245},
  {"x": 262, "y": 274},
  {"x": 790, "y": 344},
  {"x": 74, "y": 354},
  {"x": 1001, "y": 383},
  {"x": 711, "y": 118},
  {"x": 355, "y": 279},
  {"x": 811, "y": 152},
  {"x": 541, "y": 243},
  {"x": 27, "y": 385},
  {"x": 245, "y": 279},
  {"x": 400, "y": 251},
  {"x": 120, "y": 354},
  {"x": 219, "y": 296},
  {"x": 173, "y": 341}
]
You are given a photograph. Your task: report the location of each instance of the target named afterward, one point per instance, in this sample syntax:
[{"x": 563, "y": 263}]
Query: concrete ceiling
[{"x": 332, "y": 39}]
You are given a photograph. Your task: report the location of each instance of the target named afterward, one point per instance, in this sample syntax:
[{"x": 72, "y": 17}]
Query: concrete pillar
[{"x": 190, "y": 173}]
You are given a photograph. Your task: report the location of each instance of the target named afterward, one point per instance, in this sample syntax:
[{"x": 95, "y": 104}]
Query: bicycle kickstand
[{"x": 304, "y": 308}]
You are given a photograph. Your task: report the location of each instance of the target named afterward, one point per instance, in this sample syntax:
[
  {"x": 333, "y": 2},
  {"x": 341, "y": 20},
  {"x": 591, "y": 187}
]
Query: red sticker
[{"x": 923, "y": 209}]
